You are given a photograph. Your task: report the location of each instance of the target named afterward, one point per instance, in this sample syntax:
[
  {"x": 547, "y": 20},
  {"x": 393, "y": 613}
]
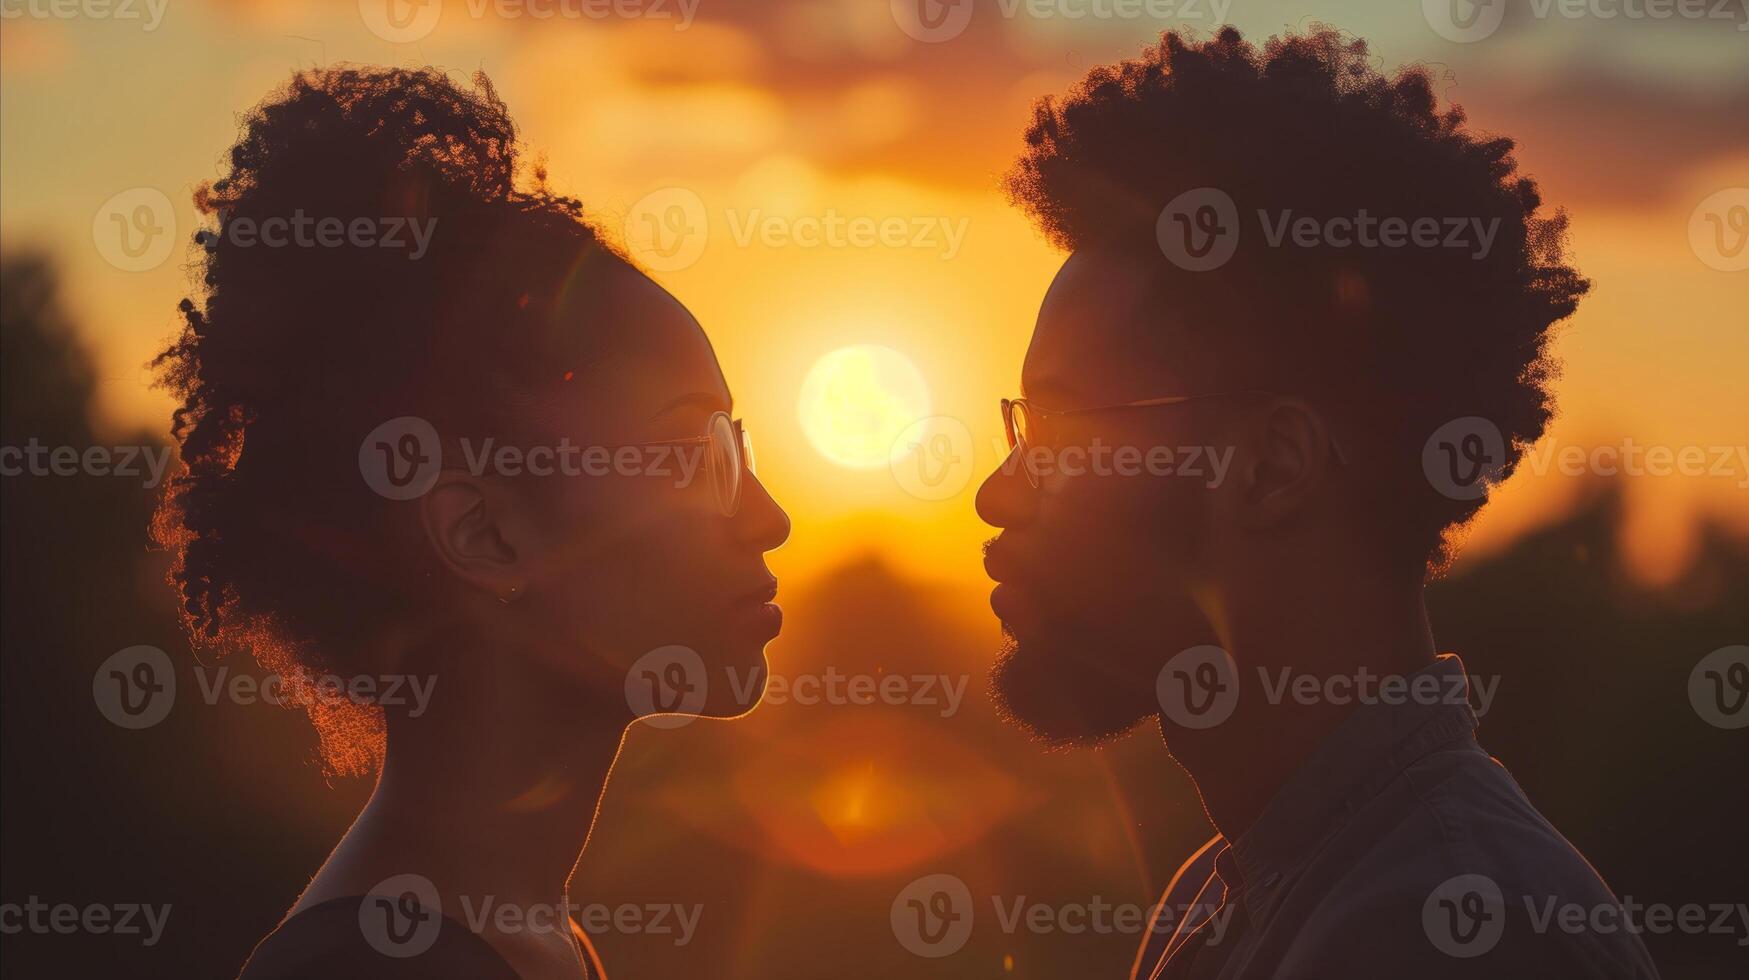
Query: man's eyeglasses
[{"x": 1024, "y": 421}]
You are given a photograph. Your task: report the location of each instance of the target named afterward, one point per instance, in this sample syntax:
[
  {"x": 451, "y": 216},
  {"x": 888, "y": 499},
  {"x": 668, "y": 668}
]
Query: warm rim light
[{"x": 856, "y": 401}]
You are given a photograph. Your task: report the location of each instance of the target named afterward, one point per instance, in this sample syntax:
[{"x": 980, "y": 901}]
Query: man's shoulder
[
  {"x": 1459, "y": 811},
  {"x": 1454, "y": 860}
]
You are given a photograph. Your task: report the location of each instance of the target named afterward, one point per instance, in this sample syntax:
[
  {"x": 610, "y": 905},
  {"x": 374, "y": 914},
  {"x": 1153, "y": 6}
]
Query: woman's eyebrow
[{"x": 704, "y": 399}]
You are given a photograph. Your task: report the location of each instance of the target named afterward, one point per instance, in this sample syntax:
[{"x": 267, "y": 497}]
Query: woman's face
[{"x": 657, "y": 596}]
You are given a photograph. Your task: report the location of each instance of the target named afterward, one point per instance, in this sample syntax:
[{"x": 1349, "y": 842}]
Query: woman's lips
[
  {"x": 763, "y": 618},
  {"x": 763, "y": 592},
  {"x": 756, "y": 610}
]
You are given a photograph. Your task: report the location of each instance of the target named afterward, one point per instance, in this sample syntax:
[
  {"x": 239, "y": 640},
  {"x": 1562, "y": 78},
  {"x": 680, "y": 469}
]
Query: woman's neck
[{"x": 490, "y": 792}]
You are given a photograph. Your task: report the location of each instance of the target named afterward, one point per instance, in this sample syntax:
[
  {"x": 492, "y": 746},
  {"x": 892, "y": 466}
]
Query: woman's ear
[{"x": 468, "y": 523}]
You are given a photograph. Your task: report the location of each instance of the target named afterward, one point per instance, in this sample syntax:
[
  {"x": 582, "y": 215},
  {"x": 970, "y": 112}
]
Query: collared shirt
[{"x": 1398, "y": 849}]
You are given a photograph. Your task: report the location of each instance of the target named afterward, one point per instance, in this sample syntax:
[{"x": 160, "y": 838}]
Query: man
[{"x": 1302, "y": 330}]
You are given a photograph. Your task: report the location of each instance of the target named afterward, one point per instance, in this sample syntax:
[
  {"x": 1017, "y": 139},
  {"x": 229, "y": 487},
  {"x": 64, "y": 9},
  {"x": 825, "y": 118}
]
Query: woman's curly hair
[
  {"x": 1409, "y": 338},
  {"x": 295, "y": 352}
]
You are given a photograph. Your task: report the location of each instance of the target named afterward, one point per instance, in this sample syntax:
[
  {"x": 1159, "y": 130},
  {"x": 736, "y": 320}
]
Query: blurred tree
[
  {"x": 1592, "y": 714},
  {"x": 92, "y": 813}
]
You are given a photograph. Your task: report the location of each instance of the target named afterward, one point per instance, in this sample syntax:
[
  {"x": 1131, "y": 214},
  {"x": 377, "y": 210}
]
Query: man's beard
[{"x": 1073, "y": 687}]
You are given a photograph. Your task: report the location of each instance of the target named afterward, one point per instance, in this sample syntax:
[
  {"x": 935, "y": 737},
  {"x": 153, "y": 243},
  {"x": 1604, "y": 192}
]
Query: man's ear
[
  {"x": 467, "y": 523},
  {"x": 1293, "y": 455}
]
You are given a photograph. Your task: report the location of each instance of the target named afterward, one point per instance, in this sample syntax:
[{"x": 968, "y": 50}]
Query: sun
[{"x": 856, "y": 401}]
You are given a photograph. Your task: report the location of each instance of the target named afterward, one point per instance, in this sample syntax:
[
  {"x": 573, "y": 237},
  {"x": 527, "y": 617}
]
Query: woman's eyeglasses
[{"x": 728, "y": 454}]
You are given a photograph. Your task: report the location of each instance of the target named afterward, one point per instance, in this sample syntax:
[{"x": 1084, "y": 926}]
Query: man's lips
[
  {"x": 998, "y": 565},
  {"x": 1010, "y": 600},
  {"x": 1017, "y": 606},
  {"x": 1004, "y": 598}
]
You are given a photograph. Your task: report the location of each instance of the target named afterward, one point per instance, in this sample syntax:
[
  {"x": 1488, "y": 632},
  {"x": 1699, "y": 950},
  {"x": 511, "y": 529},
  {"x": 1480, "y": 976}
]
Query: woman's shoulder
[{"x": 378, "y": 937}]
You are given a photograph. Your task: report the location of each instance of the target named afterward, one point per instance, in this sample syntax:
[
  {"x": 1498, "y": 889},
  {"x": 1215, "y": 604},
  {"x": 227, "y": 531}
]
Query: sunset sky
[{"x": 830, "y": 110}]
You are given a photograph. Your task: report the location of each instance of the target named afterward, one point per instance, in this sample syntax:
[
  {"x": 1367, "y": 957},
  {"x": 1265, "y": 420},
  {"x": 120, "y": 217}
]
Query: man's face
[{"x": 1096, "y": 565}]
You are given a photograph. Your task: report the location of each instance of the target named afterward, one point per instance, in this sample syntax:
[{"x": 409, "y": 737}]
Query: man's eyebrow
[
  {"x": 702, "y": 399},
  {"x": 1050, "y": 391}
]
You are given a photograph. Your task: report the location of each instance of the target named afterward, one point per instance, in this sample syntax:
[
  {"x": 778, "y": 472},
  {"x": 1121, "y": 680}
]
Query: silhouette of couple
[{"x": 1359, "y": 836}]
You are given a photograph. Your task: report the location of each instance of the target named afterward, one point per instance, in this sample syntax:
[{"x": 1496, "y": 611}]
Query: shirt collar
[{"x": 1377, "y": 740}]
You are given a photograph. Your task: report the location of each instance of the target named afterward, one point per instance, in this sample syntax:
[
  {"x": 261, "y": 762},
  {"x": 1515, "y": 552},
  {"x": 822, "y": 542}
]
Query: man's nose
[{"x": 1006, "y": 499}]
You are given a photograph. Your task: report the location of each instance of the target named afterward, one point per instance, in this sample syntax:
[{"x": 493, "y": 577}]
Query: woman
[{"x": 437, "y": 450}]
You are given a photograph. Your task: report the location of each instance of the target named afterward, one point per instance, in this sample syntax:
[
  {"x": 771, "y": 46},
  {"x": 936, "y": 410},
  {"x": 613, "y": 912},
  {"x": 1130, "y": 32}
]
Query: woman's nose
[{"x": 761, "y": 520}]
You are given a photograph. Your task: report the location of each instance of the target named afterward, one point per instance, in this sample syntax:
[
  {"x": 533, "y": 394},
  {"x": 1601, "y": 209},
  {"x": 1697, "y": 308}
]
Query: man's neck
[{"x": 1338, "y": 628}]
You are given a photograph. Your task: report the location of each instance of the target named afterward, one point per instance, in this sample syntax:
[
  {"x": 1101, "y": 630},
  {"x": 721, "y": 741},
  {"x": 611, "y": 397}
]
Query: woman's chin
[
  {"x": 757, "y": 622},
  {"x": 738, "y": 682}
]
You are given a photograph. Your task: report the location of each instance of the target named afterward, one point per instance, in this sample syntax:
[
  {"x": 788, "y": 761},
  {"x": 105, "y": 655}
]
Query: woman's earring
[{"x": 510, "y": 596}]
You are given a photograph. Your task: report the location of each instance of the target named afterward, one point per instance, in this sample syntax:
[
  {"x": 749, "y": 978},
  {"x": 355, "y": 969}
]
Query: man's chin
[{"x": 1067, "y": 693}]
